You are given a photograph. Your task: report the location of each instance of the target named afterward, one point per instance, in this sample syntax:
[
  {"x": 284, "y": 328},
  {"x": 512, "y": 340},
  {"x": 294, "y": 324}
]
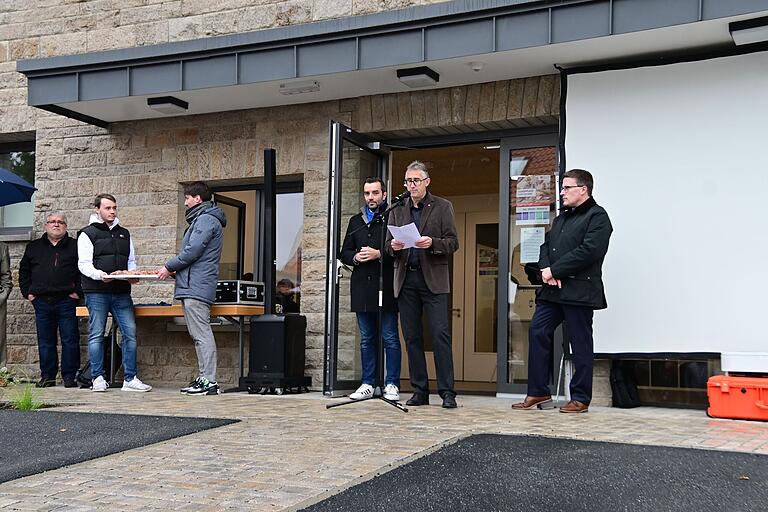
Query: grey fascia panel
[
  {"x": 325, "y": 58},
  {"x": 522, "y": 30},
  {"x": 50, "y": 89},
  {"x": 265, "y": 65},
  {"x": 712, "y": 9},
  {"x": 216, "y": 71},
  {"x": 350, "y": 25},
  {"x": 459, "y": 39},
  {"x": 581, "y": 21},
  {"x": 632, "y": 16},
  {"x": 390, "y": 49},
  {"x": 100, "y": 85},
  {"x": 155, "y": 78}
]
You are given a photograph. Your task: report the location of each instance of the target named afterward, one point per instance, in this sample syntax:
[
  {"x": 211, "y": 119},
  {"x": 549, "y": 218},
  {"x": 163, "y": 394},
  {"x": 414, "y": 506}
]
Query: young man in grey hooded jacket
[{"x": 197, "y": 272}]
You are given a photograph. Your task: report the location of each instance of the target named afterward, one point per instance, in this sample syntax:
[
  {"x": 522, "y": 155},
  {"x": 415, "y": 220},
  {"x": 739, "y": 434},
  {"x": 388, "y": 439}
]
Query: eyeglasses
[
  {"x": 56, "y": 222},
  {"x": 414, "y": 181},
  {"x": 566, "y": 188}
]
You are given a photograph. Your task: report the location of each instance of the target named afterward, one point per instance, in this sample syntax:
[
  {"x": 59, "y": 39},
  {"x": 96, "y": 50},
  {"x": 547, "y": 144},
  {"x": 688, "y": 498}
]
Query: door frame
[
  {"x": 339, "y": 133},
  {"x": 502, "y": 368}
]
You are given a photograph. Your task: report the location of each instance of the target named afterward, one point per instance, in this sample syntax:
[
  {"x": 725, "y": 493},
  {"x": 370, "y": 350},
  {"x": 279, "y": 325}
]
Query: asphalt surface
[
  {"x": 510, "y": 473},
  {"x": 35, "y": 441}
]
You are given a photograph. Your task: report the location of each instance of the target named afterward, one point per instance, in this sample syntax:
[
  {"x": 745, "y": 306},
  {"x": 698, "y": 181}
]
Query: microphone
[{"x": 401, "y": 198}]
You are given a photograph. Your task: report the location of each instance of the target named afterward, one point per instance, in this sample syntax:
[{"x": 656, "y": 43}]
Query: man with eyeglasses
[
  {"x": 50, "y": 280},
  {"x": 422, "y": 283},
  {"x": 571, "y": 260}
]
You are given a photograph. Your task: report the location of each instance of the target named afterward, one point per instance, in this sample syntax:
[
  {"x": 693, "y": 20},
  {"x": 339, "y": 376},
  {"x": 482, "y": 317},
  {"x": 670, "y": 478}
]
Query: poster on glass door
[{"x": 533, "y": 197}]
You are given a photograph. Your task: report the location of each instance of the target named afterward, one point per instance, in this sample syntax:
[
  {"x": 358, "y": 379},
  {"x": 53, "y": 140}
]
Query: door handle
[{"x": 456, "y": 311}]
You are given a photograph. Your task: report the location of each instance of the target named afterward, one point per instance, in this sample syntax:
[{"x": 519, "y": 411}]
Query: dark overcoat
[
  {"x": 437, "y": 222},
  {"x": 574, "y": 250},
  {"x": 364, "y": 284}
]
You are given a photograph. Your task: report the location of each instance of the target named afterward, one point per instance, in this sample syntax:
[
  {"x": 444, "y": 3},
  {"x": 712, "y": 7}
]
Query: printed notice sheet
[
  {"x": 407, "y": 234},
  {"x": 530, "y": 242}
]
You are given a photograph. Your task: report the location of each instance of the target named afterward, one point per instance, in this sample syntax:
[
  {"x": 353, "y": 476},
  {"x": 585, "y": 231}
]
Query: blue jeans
[
  {"x": 121, "y": 307},
  {"x": 369, "y": 340},
  {"x": 50, "y": 317}
]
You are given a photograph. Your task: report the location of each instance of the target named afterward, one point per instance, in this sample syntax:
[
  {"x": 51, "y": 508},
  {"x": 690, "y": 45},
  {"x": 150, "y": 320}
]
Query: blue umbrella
[{"x": 13, "y": 189}]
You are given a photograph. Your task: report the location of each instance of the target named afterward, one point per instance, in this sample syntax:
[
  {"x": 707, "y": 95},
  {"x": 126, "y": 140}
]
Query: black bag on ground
[
  {"x": 83, "y": 376},
  {"x": 623, "y": 385}
]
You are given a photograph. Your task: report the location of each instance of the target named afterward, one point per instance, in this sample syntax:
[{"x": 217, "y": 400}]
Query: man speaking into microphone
[{"x": 422, "y": 283}]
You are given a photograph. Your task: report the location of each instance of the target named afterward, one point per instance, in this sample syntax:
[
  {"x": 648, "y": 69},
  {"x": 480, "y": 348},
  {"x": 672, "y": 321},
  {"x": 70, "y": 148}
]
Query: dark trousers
[
  {"x": 578, "y": 328},
  {"x": 52, "y": 316},
  {"x": 415, "y": 299}
]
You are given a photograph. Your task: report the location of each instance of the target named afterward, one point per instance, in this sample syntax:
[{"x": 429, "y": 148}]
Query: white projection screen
[{"x": 678, "y": 153}]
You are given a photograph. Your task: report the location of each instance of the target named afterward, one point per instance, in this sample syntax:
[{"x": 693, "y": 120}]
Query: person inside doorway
[
  {"x": 422, "y": 283},
  {"x": 571, "y": 260},
  {"x": 362, "y": 251}
]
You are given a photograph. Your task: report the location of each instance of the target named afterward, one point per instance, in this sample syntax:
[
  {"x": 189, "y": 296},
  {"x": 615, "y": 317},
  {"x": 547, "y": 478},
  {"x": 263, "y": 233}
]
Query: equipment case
[{"x": 736, "y": 397}]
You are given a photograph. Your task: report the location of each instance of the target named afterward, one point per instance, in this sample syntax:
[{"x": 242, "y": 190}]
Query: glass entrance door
[
  {"x": 531, "y": 180},
  {"x": 354, "y": 157}
]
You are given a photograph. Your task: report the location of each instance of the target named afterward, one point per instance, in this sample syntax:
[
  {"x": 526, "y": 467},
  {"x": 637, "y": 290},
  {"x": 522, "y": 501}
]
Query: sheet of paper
[
  {"x": 407, "y": 234},
  {"x": 530, "y": 243},
  {"x": 512, "y": 290}
]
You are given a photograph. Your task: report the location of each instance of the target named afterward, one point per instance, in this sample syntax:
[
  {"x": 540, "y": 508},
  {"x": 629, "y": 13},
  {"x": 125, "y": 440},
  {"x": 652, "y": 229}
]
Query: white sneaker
[
  {"x": 99, "y": 384},
  {"x": 391, "y": 392},
  {"x": 364, "y": 391},
  {"x": 136, "y": 385}
]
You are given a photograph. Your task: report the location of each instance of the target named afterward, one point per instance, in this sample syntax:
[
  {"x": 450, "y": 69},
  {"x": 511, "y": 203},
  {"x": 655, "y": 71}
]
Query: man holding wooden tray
[{"x": 104, "y": 247}]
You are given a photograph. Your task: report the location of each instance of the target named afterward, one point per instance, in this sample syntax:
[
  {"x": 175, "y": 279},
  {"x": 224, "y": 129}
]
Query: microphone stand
[{"x": 378, "y": 393}]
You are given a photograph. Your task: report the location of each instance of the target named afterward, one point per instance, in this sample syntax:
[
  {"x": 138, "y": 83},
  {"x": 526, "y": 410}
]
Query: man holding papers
[{"x": 422, "y": 282}]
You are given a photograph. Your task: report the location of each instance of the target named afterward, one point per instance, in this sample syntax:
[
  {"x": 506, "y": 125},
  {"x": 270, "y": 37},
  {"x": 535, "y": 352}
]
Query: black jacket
[
  {"x": 364, "y": 284},
  {"x": 574, "y": 250},
  {"x": 50, "y": 270},
  {"x": 111, "y": 250}
]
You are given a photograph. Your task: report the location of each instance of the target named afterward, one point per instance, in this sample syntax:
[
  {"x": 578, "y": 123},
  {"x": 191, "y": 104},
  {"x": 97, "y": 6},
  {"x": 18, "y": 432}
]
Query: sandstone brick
[
  {"x": 327, "y": 9},
  {"x": 24, "y": 48}
]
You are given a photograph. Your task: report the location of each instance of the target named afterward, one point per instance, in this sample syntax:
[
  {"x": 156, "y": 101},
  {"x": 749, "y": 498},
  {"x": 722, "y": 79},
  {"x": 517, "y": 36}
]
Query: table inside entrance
[{"x": 234, "y": 313}]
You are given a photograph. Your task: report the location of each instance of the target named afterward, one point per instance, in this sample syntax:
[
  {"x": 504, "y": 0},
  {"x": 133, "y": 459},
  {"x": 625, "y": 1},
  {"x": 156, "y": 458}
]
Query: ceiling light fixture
[
  {"x": 492, "y": 146},
  {"x": 421, "y": 76},
  {"x": 168, "y": 105},
  {"x": 749, "y": 31},
  {"x": 289, "y": 89}
]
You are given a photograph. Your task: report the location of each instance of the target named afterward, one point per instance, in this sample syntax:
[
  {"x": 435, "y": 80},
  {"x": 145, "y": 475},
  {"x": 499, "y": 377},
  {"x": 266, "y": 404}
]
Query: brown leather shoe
[
  {"x": 575, "y": 406},
  {"x": 530, "y": 402}
]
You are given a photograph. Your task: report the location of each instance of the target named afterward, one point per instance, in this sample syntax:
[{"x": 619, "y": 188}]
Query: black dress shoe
[
  {"x": 449, "y": 402},
  {"x": 70, "y": 383},
  {"x": 45, "y": 383},
  {"x": 418, "y": 399}
]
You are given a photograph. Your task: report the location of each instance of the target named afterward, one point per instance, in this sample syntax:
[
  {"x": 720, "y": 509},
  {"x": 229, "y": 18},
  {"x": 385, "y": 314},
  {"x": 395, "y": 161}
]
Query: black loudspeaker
[{"x": 276, "y": 354}]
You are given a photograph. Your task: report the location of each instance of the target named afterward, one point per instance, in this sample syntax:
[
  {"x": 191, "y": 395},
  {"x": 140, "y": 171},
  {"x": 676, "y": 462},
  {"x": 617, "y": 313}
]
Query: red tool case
[{"x": 736, "y": 397}]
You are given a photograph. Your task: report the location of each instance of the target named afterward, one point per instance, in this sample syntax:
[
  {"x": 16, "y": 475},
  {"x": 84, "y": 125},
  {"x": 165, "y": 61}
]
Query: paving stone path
[{"x": 290, "y": 451}]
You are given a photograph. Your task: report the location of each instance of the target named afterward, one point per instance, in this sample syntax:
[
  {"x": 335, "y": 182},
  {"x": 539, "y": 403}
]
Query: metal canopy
[{"x": 509, "y": 36}]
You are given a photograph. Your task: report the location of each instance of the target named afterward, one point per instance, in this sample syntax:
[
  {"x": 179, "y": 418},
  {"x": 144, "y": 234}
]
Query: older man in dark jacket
[
  {"x": 50, "y": 280},
  {"x": 197, "y": 273},
  {"x": 362, "y": 249},
  {"x": 422, "y": 283},
  {"x": 571, "y": 260}
]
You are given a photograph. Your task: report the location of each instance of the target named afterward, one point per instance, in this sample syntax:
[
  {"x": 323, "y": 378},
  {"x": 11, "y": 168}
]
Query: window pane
[
  {"x": 290, "y": 222},
  {"x": 21, "y": 163}
]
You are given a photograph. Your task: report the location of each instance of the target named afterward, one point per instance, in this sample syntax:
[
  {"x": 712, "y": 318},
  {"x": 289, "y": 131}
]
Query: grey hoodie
[{"x": 197, "y": 265}]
